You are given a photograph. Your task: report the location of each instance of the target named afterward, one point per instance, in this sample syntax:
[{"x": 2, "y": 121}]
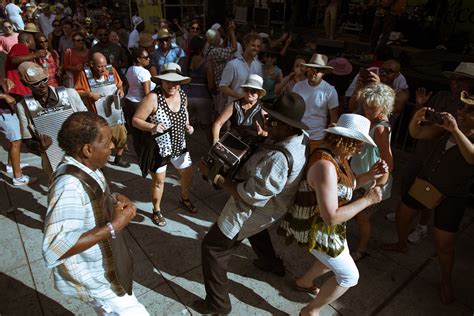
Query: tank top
[{"x": 172, "y": 142}]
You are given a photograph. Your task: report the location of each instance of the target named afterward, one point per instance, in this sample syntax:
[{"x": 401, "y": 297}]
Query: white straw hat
[
  {"x": 463, "y": 69},
  {"x": 256, "y": 82},
  {"x": 353, "y": 126},
  {"x": 171, "y": 72}
]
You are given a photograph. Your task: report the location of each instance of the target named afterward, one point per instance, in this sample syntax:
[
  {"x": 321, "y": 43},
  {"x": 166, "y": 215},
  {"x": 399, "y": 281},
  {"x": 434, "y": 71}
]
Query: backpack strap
[
  {"x": 82, "y": 176},
  {"x": 286, "y": 153}
]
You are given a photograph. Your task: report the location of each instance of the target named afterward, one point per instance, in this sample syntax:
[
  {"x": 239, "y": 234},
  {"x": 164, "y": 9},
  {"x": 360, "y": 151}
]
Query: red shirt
[{"x": 11, "y": 71}]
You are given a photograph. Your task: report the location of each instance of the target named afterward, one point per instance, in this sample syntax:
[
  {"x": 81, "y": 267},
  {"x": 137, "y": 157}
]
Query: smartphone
[
  {"x": 364, "y": 74},
  {"x": 434, "y": 117}
]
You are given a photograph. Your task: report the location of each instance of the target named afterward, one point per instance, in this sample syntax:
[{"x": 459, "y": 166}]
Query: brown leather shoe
[{"x": 203, "y": 308}]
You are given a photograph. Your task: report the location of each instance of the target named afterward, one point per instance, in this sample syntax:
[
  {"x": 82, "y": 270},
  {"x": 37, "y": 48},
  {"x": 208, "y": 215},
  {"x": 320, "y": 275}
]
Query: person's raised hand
[
  {"x": 189, "y": 129},
  {"x": 449, "y": 122},
  {"x": 374, "y": 194},
  {"x": 422, "y": 96},
  {"x": 95, "y": 96},
  {"x": 378, "y": 169},
  {"x": 124, "y": 211}
]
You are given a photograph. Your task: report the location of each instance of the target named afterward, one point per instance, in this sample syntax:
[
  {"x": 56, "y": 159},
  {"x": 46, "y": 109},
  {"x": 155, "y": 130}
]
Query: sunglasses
[
  {"x": 164, "y": 39},
  {"x": 40, "y": 83},
  {"x": 313, "y": 70},
  {"x": 386, "y": 71},
  {"x": 251, "y": 90}
]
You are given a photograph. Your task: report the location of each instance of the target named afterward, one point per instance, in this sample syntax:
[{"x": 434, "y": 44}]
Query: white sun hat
[
  {"x": 255, "y": 82},
  {"x": 171, "y": 72},
  {"x": 463, "y": 69},
  {"x": 319, "y": 61},
  {"x": 353, "y": 126}
]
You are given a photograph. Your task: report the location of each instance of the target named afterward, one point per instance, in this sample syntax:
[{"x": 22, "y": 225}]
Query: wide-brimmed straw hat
[
  {"x": 467, "y": 98},
  {"x": 31, "y": 73},
  {"x": 341, "y": 65},
  {"x": 288, "y": 108},
  {"x": 163, "y": 33},
  {"x": 146, "y": 40},
  {"x": 31, "y": 28},
  {"x": 171, "y": 72},
  {"x": 463, "y": 69},
  {"x": 353, "y": 126},
  {"x": 319, "y": 61},
  {"x": 255, "y": 82}
]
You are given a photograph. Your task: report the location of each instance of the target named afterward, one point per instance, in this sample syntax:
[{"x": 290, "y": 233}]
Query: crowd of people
[{"x": 315, "y": 137}]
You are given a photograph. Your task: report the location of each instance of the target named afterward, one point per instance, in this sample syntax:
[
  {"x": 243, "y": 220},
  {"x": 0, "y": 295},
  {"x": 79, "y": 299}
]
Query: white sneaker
[
  {"x": 10, "y": 168},
  {"x": 391, "y": 217},
  {"x": 23, "y": 180},
  {"x": 418, "y": 234}
]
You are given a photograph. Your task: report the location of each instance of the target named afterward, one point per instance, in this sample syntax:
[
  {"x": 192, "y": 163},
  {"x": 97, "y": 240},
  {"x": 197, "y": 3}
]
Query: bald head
[
  {"x": 392, "y": 64},
  {"x": 98, "y": 64}
]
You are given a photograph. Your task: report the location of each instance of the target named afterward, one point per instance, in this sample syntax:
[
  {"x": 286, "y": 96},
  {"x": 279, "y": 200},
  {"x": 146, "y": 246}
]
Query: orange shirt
[{"x": 82, "y": 85}]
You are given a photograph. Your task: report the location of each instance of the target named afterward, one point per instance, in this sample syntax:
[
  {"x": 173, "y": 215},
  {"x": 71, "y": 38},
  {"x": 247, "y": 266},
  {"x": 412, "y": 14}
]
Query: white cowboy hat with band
[
  {"x": 463, "y": 69},
  {"x": 255, "y": 82},
  {"x": 467, "y": 98},
  {"x": 319, "y": 61},
  {"x": 171, "y": 72},
  {"x": 353, "y": 126}
]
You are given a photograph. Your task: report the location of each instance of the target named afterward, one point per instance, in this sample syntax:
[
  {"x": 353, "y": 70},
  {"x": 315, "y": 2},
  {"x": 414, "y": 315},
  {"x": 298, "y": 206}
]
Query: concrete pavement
[{"x": 167, "y": 260}]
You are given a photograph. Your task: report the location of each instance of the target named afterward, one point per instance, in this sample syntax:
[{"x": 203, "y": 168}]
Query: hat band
[{"x": 172, "y": 71}]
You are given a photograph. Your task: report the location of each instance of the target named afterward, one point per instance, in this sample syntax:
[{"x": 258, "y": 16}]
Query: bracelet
[
  {"x": 216, "y": 178},
  {"x": 111, "y": 229}
]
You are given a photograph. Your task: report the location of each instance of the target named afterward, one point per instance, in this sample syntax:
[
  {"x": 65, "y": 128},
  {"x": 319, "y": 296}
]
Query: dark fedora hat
[{"x": 288, "y": 108}]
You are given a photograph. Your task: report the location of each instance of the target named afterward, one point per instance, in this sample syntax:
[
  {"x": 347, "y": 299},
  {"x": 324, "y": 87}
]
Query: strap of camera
[{"x": 286, "y": 152}]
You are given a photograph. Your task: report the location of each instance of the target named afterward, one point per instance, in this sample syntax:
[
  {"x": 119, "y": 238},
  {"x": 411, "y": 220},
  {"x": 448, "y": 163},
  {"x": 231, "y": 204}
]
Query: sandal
[
  {"x": 186, "y": 203},
  {"x": 158, "y": 219}
]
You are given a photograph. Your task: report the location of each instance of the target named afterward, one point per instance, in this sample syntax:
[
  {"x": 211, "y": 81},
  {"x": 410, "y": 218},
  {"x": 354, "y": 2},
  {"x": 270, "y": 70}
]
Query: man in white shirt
[
  {"x": 320, "y": 98},
  {"x": 238, "y": 69},
  {"x": 389, "y": 74},
  {"x": 45, "y": 20}
]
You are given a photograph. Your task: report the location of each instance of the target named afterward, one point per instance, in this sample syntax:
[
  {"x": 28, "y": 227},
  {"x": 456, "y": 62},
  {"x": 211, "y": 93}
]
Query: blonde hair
[
  {"x": 377, "y": 95},
  {"x": 345, "y": 144}
]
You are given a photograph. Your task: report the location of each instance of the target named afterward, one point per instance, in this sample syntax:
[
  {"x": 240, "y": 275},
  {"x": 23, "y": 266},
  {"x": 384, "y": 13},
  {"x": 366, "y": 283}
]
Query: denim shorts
[{"x": 10, "y": 126}]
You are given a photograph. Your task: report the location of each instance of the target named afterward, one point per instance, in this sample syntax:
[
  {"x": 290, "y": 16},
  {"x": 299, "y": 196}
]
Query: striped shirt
[{"x": 71, "y": 212}]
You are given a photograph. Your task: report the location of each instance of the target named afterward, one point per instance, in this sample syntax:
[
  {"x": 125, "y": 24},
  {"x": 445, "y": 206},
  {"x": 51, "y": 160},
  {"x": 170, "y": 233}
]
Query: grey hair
[
  {"x": 212, "y": 37},
  {"x": 377, "y": 95}
]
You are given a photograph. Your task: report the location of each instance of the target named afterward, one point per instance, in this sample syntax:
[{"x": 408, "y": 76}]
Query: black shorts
[{"x": 447, "y": 215}]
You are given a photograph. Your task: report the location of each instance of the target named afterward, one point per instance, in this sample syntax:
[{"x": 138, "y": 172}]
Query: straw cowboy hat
[
  {"x": 31, "y": 73},
  {"x": 319, "y": 61},
  {"x": 353, "y": 126},
  {"x": 163, "y": 33},
  {"x": 467, "y": 98},
  {"x": 342, "y": 66},
  {"x": 255, "y": 82},
  {"x": 30, "y": 28},
  {"x": 288, "y": 108},
  {"x": 463, "y": 69},
  {"x": 171, "y": 72}
]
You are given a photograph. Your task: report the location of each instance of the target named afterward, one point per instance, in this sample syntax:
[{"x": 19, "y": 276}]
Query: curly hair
[
  {"x": 345, "y": 144},
  {"x": 377, "y": 95},
  {"x": 137, "y": 53},
  {"x": 79, "y": 129}
]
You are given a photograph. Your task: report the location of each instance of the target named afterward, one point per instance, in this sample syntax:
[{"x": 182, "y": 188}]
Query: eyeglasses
[
  {"x": 78, "y": 40},
  {"x": 40, "y": 83},
  {"x": 251, "y": 90},
  {"x": 387, "y": 71}
]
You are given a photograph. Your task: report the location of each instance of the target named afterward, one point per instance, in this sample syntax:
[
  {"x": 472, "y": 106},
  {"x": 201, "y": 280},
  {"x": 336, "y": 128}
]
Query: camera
[
  {"x": 225, "y": 157},
  {"x": 433, "y": 117}
]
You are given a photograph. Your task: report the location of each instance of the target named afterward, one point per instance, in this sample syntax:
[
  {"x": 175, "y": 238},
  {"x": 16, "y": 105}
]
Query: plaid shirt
[
  {"x": 219, "y": 57},
  {"x": 71, "y": 212}
]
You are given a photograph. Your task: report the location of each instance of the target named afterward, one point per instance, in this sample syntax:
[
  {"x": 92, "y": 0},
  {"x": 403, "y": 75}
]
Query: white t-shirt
[
  {"x": 136, "y": 75},
  {"x": 319, "y": 100},
  {"x": 133, "y": 39},
  {"x": 399, "y": 83},
  {"x": 13, "y": 10}
]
